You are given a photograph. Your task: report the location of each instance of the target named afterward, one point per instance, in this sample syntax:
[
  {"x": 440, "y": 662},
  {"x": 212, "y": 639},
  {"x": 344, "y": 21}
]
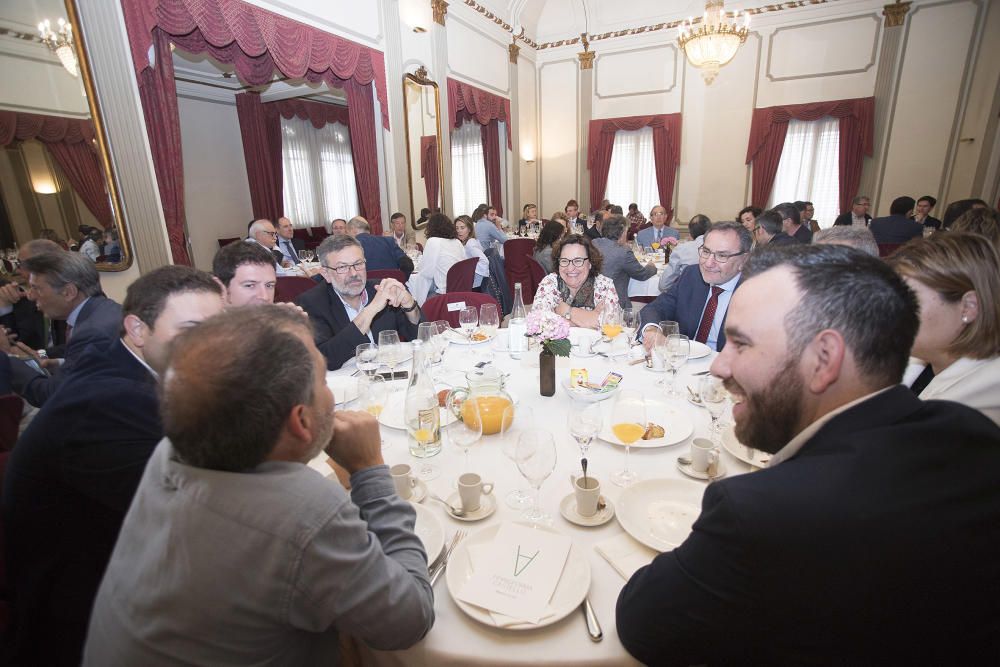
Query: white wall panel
[
  {"x": 559, "y": 126},
  {"x": 477, "y": 58},
  {"x": 639, "y": 81}
]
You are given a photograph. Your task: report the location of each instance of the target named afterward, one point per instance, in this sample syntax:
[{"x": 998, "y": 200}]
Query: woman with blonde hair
[{"x": 956, "y": 280}]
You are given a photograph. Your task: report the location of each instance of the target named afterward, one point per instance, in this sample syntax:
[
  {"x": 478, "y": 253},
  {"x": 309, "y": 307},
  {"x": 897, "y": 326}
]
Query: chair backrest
[
  {"x": 288, "y": 288},
  {"x": 516, "y": 253},
  {"x": 227, "y": 241},
  {"x": 461, "y": 275},
  {"x": 318, "y": 233},
  {"x": 301, "y": 233},
  {"x": 437, "y": 307},
  {"x": 537, "y": 272},
  {"x": 886, "y": 249},
  {"x": 379, "y": 274}
]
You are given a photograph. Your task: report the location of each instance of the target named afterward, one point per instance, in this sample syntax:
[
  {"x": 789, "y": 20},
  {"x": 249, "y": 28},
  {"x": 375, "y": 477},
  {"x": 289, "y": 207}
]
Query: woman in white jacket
[{"x": 441, "y": 251}]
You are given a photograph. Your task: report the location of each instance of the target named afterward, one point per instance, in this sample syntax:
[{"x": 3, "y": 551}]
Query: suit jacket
[
  {"x": 931, "y": 222},
  {"x": 803, "y": 234},
  {"x": 875, "y": 544},
  {"x": 28, "y": 323},
  {"x": 847, "y": 219},
  {"x": 895, "y": 229},
  {"x": 683, "y": 303},
  {"x": 644, "y": 237},
  {"x": 298, "y": 244},
  {"x": 620, "y": 265},
  {"x": 781, "y": 238},
  {"x": 382, "y": 252},
  {"x": 99, "y": 321},
  {"x": 68, "y": 484},
  {"x": 335, "y": 335},
  {"x": 277, "y": 254}
]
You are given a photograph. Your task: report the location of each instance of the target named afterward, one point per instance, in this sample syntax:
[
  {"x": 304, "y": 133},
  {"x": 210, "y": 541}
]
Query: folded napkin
[{"x": 625, "y": 554}]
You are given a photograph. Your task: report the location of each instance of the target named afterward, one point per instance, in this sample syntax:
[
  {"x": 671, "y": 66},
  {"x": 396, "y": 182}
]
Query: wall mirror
[
  {"x": 422, "y": 120},
  {"x": 55, "y": 169}
]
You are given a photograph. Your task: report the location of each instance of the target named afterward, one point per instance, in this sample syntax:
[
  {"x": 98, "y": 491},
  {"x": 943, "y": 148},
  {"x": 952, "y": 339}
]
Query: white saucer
[
  {"x": 487, "y": 506},
  {"x": 697, "y": 404},
  {"x": 419, "y": 492},
  {"x": 691, "y": 472},
  {"x": 568, "y": 510}
]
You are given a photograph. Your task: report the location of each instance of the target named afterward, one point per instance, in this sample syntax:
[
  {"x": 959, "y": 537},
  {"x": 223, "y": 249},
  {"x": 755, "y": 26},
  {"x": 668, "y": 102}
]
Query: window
[
  {"x": 632, "y": 174},
  {"x": 808, "y": 169},
  {"x": 318, "y": 173},
  {"x": 468, "y": 173}
]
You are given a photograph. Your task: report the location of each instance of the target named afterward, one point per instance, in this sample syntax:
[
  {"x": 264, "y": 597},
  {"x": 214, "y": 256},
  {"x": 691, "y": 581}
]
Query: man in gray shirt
[{"x": 234, "y": 551}]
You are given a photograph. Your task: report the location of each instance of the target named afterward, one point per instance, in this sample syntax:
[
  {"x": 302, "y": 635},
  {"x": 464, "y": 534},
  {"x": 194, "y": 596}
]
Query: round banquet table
[
  {"x": 650, "y": 286},
  {"x": 456, "y": 639}
]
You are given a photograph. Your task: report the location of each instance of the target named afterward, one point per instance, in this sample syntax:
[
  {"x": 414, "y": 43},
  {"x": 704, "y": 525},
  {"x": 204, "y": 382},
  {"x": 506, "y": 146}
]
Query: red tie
[{"x": 709, "y": 316}]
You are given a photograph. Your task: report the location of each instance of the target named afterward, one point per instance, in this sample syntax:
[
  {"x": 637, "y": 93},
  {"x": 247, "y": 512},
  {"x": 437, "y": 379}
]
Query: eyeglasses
[
  {"x": 720, "y": 257},
  {"x": 274, "y": 234},
  {"x": 577, "y": 262},
  {"x": 341, "y": 269}
]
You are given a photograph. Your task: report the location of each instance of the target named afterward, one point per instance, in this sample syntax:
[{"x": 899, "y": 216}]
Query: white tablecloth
[
  {"x": 649, "y": 287},
  {"x": 455, "y": 638}
]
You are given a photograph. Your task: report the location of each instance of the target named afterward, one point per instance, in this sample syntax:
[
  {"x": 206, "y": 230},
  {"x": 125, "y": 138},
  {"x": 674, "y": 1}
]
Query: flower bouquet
[{"x": 550, "y": 330}]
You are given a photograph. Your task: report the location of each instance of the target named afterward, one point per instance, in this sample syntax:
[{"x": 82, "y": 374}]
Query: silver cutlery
[
  {"x": 456, "y": 511},
  {"x": 439, "y": 568},
  {"x": 593, "y": 625},
  {"x": 708, "y": 372},
  {"x": 684, "y": 460}
]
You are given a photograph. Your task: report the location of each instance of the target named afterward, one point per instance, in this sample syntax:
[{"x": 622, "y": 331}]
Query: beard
[
  {"x": 324, "y": 432},
  {"x": 772, "y": 415}
]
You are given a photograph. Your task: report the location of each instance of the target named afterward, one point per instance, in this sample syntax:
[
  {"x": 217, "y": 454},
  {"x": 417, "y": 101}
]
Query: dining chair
[
  {"x": 288, "y": 288},
  {"x": 448, "y": 306},
  {"x": 461, "y": 275}
]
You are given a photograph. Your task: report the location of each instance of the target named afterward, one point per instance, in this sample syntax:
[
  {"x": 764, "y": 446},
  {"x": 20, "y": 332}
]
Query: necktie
[
  {"x": 69, "y": 331},
  {"x": 291, "y": 251},
  {"x": 658, "y": 237},
  {"x": 709, "y": 316}
]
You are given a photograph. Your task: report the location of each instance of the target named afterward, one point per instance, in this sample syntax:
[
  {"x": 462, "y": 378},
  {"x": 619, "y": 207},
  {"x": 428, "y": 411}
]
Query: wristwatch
[
  {"x": 568, "y": 315},
  {"x": 412, "y": 308}
]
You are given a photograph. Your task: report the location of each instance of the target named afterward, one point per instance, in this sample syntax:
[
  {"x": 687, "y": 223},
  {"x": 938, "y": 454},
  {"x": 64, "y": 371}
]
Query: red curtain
[
  {"x": 767, "y": 139},
  {"x": 364, "y": 151},
  {"x": 467, "y": 102},
  {"x": 491, "y": 161},
  {"x": 317, "y": 113},
  {"x": 429, "y": 169},
  {"x": 666, "y": 153},
  {"x": 71, "y": 143},
  {"x": 261, "y": 133}
]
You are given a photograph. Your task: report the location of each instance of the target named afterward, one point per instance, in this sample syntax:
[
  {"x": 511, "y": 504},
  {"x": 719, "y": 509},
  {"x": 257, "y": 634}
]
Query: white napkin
[
  {"x": 625, "y": 554},
  {"x": 478, "y": 552}
]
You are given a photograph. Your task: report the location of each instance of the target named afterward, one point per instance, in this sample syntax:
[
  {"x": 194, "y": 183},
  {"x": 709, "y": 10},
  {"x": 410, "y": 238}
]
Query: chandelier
[
  {"x": 60, "y": 42},
  {"x": 716, "y": 40}
]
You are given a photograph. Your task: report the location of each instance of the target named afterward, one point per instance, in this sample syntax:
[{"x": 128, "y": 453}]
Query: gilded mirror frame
[{"x": 420, "y": 78}]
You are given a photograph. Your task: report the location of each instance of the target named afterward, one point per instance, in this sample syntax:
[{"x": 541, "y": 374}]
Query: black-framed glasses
[
  {"x": 576, "y": 261},
  {"x": 271, "y": 234},
  {"x": 341, "y": 269},
  {"x": 720, "y": 257}
]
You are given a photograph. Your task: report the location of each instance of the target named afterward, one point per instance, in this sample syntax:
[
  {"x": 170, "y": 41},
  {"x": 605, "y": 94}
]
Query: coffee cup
[
  {"x": 471, "y": 489},
  {"x": 703, "y": 454},
  {"x": 402, "y": 477},
  {"x": 588, "y": 493}
]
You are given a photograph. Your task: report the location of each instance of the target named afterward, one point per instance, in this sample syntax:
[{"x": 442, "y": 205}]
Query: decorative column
[
  {"x": 399, "y": 182},
  {"x": 586, "y": 106},
  {"x": 439, "y": 63},
  {"x": 514, "y": 128}
]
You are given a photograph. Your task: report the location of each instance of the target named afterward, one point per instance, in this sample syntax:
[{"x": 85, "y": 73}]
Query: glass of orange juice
[
  {"x": 628, "y": 423},
  {"x": 611, "y": 322}
]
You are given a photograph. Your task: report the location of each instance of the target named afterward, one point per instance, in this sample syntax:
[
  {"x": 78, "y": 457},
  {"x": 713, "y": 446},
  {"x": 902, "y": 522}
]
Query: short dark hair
[
  {"x": 596, "y": 260},
  {"x": 788, "y": 210},
  {"x": 770, "y": 221},
  {"x": 613, "y": 226},
  {"x": 615, "y": 209},
  {"x": 801, "y": 205},
  {"x": 395, "y": 215},
  {"x": 571, "y": 202},
  {"x": 59, "y": 269},
  {"x": 336, "y": 243},
  {"x": 440, "y": 226},
  {"x": 231, "y": 419},
  {"x": 956, "y": 209},
  {"x": 234, "y": 255},
  {"x": 879, "y": 329},
  {"x": 746, "y": 239},
  {"x": 633, "y": 207},
  {"x": 901, "y": 205},
  {"x": 927, "y": 198},
  {"x": 147, "y": 296},
  {"x": 551, "y": 232},
  {"x": 699, "y": 225},
  {"x": 748, "y": 209}
]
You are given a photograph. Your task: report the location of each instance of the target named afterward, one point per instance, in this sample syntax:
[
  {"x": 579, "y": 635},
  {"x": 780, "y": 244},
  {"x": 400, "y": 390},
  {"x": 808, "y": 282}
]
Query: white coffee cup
[
  {"x": 402, "y": 477},
  {"x": 471, "y": 488},
  {"x": 588, "y": 493},
  {"x": 703, "y": 454}
]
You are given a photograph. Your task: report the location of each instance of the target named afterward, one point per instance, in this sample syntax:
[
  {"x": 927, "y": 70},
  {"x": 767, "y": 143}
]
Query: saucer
[
  {"x": 568, "y": 510},
  {"x": 487, "y": 506},
  {"x": 697, "y": 404},
  {"x": 419, "y": 492},
  {"x": 691, "y": 472}
]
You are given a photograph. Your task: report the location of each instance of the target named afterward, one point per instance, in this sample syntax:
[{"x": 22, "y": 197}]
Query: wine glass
[
  {"x": 713, "y": 397},
  {"x": 514, "y": 422},
  {"x": 630, "y": 323},
  {"x": 307, "y": 255},
  {"x": 468, "y": 319},
  {"x": 611, "y": 322},
  {"x": 441, "y": 339},
  {"x": 366, "y": 356},
  {"x": 389, "y": 350},
  {"x": 372, "y": 392},
  {"x": 489, "y": 318},
  {"x": 668, "y": 327},
  {"x": 678, "y": 350},
  {"x": 535, "y": 455},
  {"x": 628, "y": 423},
  {"x": 468, "y": 429},
  {"x": 584, "y": 422}
]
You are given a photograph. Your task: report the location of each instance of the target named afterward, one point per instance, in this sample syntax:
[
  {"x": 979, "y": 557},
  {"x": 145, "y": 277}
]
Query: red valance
[
  {"x": 257, "y": 42},
  {"x": 666, "y": 153},
  {"x": 317, "y": 113},
  {"x": 466, "y": 102},
  {"x": 767, "y": 139},
  {"x": 47, "y": 129}
]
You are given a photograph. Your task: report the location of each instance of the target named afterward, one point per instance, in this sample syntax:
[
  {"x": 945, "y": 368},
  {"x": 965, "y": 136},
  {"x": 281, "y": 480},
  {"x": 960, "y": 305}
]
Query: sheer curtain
[
  {"x": 318, "y": 173},
  {"x": 632, "y": 174},
  {"x": 808, "y": 169},
  {"x": 468, "y": 175}
]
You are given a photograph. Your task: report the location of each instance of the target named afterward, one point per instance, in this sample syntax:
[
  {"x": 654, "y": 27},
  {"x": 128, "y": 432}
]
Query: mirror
[
  {"x": 422, "y": 121},
  {"x": 55, "y": 170}
]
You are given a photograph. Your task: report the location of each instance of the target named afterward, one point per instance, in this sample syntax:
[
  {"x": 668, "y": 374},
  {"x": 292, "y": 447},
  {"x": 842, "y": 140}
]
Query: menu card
[{"x": 519, "y": 573}]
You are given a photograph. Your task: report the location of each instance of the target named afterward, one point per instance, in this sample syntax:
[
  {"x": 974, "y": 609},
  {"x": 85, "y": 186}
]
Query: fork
[{"x": 439, "y": 568}]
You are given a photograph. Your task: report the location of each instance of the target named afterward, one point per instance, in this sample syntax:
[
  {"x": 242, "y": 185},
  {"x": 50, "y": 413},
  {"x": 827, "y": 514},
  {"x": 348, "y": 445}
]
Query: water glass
[
  {"x": 678, "y": 351},
  {"x": 366, "y": 356},
  {"x": 489, "y": 318},
  {"x": 467, "y": 430},
  {"x": 713, "y": 397},
  {"x": 468, "y": 319},
  {"x": 535, "y": 456},
  {"x": 515, "y": 421},
  {"x": 584, "y": 422},
  {"x": 389, "y": 350}
]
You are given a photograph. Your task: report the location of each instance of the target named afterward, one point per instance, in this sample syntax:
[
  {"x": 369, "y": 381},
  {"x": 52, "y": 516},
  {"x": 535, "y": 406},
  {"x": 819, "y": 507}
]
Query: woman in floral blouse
[{"x": 577, "y": 291}]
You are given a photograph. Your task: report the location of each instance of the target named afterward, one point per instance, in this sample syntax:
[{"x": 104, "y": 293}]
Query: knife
[
  {"x": 593, "y": 625},
  {"x": 444, "y": 561}
]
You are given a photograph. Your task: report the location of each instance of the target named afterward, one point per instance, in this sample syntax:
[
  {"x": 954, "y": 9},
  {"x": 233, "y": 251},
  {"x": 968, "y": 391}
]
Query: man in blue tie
[
  {"x": 289, "y": 246},
  {"x": 660, "y": 229}
]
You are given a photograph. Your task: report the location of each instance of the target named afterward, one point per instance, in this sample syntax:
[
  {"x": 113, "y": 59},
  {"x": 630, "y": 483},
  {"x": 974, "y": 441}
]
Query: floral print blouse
[{"x": 547, "y": 295}]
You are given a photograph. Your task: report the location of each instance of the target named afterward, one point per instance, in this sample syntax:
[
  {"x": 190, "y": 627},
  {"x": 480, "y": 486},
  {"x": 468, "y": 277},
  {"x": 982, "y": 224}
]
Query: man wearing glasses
[
  {"x": 699, "y": 299},
  {"x": 262, "y": 232},
  {"x": 350, "y": 310}
]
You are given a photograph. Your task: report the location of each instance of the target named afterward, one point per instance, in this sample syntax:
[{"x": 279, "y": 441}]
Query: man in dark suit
[
  {"x": 381, "y": 252},
  {"x": 791, "y": 223},
  {"x": 699, "y": 299},
  {"x": 858, "y": 215},
  {"x": 18, "y": 313},
  {"x": 348, "y": 310},
  {"x": 897, "y": 227},
  {"x": 262, "y": 232},
  {"x": 288, "y": 245},
  {"x": 769, "y": 230},
  {"x": 871, "y": 536},
  {"x": 74, "y": 471},
  {"x": 922, "y": 213},
  {"x": 64, "y": 286}
]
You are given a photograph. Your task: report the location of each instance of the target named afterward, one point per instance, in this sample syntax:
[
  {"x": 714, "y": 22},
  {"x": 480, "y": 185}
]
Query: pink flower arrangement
[
  {"x": 668, "y": 240},
  {"x": 550, "y": 329}
]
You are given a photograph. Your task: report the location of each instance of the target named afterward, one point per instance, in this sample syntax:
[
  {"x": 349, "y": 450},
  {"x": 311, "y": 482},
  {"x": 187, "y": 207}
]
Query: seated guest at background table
[
  {"x": 112, "y": 246},
  {"x": 561, "y": 218},
  {"x": 956, "y": 281},
  {"x": 91, "y": 246},
  {"x": 897, "y": 228},
  {"x": 770, "y": 230},
  {"x": 487, "y": 230},
  {"x": 806, "y": 211},
  {"x": 855, "y": 237},
  {"x": 65, "y": 286},
  {"x": 617, "y": 261},
  {"x": 636, "y": 219},
  {"x": 465, "y": 232},
  {"x": 18, "y": 312},
  {"x": 870, "y": 537},
  {"x": 922, "y": 212},
  {"x": 685, "y": 254},
  {"x": 347, "y": 309},
  {"x": 381, "y": 252},
  {"x": 699, "y": 299},
  {"x": 262, "y": 232},
  {"x": 572, "y": 212},
  {"x": 246, "y": 272},
  {"x": 594, "y": 225},
  {"x": 858, "y": 215},
  {"x": 258, "y": 559},
  {"x": 75, "y": 469},
  {"x": 529, "y": 215},
  {"x": 288, "y": 245},
  {"x": 399, "y": 232},
  {"x": 442, "y": 250},
  {"x": 791, "y": 223},
  {"x": 747, "y": 217},
  {"x": 338, "y": 226},
  {"x": 552, "y": 231},
  {"x": 576, "y": 291},
  {"x": 957, "y": 209},
  {"x": 982, "y": 221},
  {"x": 660, "y": 229}
]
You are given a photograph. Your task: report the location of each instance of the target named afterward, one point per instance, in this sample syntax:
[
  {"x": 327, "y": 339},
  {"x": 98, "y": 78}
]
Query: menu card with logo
[{"x": 518, "y": 575}]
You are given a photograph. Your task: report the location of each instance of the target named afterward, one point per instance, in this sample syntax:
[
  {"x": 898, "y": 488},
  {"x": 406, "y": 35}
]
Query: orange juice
[
  {"x": 628, "y": 432},
  {"x": 611, "y": 330},
  {"x": 491, "y": 409},
  {"x": 374, "y": 410}
]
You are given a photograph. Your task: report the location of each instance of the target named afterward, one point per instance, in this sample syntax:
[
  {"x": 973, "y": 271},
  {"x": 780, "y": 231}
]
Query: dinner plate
[
  {"x": 430, "y": 531},
  {"x": 569, "y": 594},
  {"x": 660, "y": 512},
  {"x": 699, "y": 350},
  {"x": 754, "y": 457},
  {"x": 392, "y": 413},
  {"x": 344, "y": 388},
  {"x": 458, "y": 338},
  {"x": 678, "y": 427}
]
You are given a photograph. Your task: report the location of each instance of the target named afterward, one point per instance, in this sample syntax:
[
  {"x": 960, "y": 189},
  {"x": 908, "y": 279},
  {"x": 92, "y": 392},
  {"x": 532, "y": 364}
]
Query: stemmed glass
[
  {"x": 668, "y": 327},
  {"x": 535, "y": 455},
  {"x": 678, "y": 350},
  {"x": 630, "y": 323},
  {"x": 468, "y": 429},
  {"x": 513, "y": 422},
  {"x": 389, "y": 350},
  {"x": 584, "y": 422},
  {"x": 611, "y": 322},
  {"x": 713, "y": 397},
  {"x": 366, "y": 356},
  {"x": 372, "y": 393},
  {"x": 307, "y": 255},
  {"x": 628, "y": 423},
  {"x": 489, "y": 319},
  {"x": 468, "y": 319}
]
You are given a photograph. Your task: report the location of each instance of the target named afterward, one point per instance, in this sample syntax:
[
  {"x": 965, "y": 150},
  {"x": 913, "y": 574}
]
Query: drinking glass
[
  {"x": 514, "y": 422},
  {"x": 713, "y": 397},
  {"x": 307, "y": 255},
  {"x": 468, "y": 319},
  {"x": 678, "y": 350},
  {"x": 372, "y": 392},
  {"x": 628, "y": 423},
  {"x": 630, "y": 323},
  {"x": 668, "y": 327},
  {"x": 489, "y": 318},
  {"x": 467, "y": 430},
  {"x": 366, "y": 356},
  {"x": 611, "y": 322},
  {"x": 441, "y": 340},
  {"x": 535, "y": 455},
  {"x": 584, "y": 422},
  {"x": 389, "y": 350}
]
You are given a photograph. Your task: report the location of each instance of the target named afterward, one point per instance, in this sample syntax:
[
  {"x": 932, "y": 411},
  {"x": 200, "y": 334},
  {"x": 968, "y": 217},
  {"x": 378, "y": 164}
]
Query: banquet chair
[
  {"x": 448, "y": 306},
  {"x": 301, "y": 233},
  {"x": 886, "y": 249},
  {"x": 318, "y": 233},
  {"x": 516, "y": 253},
  {"x": 461, "y": 275},
  {"x": 288, "y": 288},
  {"x": 537, "y": 271},
  {"x": 226, "y": 241},
  {"x": 379, "y": 274}
]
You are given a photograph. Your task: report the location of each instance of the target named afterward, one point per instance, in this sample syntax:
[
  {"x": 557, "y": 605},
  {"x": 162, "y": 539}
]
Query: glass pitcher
[{"x": 486, "y": 387}]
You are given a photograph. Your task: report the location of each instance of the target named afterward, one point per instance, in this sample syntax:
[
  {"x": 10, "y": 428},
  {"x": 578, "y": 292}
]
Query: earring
[{"x": 965, "y": 319}]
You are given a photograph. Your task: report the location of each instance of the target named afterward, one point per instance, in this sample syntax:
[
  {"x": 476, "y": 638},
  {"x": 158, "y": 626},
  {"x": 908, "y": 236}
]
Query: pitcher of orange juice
[{"x": 486, "y": 388}]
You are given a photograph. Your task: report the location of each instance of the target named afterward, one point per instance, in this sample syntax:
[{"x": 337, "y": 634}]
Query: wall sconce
[
  {"x": 416, "y": 14},
  {"x": 43, "y": 181},
  {"x": 528, "y": 153}
]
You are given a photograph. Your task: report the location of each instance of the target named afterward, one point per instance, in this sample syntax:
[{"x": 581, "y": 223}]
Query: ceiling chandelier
[
  {"x": 715, "y": 41},
  {"x": 60, "y": 42}
]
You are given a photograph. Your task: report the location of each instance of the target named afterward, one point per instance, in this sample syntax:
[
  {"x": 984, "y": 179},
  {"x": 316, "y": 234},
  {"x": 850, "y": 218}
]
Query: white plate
[
  {"x": 678, "y": 427},
  {"x": 754, "y": 457},
  {"x": 699, "y": 350},
  {"x": 430, "y": 531},
  {"x": 587, "y": 396},
  {"x": 344, "y": 388},
  {"x": 659, "y": 512},
  {"x": 572, "y": 587},
  {"x": 392, "y": 413},
  {"x": 458, "y": 338}
]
